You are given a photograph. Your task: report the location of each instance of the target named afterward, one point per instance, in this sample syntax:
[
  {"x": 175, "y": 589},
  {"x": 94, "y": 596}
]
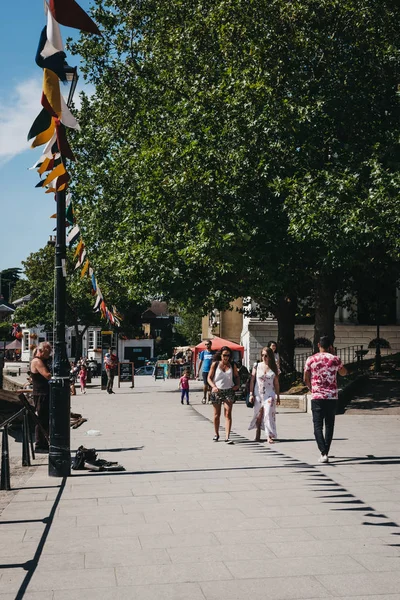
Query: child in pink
[
  {"x": 184, "y": 386},
  {"x": 82, "y": 378}
]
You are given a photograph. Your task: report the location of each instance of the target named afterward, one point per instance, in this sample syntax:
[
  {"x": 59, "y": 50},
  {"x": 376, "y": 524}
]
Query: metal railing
[
  {"x": 350, "y": 354},
  {"x": 27, "y": 442}
]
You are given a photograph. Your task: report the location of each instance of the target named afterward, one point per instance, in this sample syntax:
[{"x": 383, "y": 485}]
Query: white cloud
[
  {"x": 18, "y": 113},
  {"x": 16, "y": 117}
]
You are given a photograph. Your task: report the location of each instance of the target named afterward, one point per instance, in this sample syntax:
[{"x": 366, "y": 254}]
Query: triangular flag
[
  {"x": 73, "y": 235},
  {"x": 59, "y": 170},
  {"x": 67, "y": 117},
  {"x": 85, "y": 268},
  {"x": 97, "y": 303},
  {"x": 47, "y": 57},
  {"x": 62, "y": 142},
  {"x": 40, "y": 124},
  {"x": 70, "y": 14},
  {"x": 81, "y": 259},
  {"x": 44, "y": 137},
  {"x": 43, "y": 166},
  {"x": 51, "y": 97},
  {"x": 79, "y": 248}
]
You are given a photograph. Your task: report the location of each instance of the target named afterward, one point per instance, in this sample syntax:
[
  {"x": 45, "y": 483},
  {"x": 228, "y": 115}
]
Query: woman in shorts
[{"x": 223, "y": 380}]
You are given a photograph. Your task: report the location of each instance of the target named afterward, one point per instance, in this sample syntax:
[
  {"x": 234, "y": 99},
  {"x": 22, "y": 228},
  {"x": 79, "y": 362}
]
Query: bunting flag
[
  {"x": 59, "y": 170},
  {"x": 51, "y": 96},
  {"x": 73, "y": 235},
  {"x": 85, "y": 268},
  {"x": 48, "y": 57},
  {"x": 62, "y": 142},
  {"x": 49, "y": 128},
  {"x": 70, "y": 14},
  {"x": 40, "y": 124},
  {"x": 44, "y": 137},
  {"x": 81, "y": 258}
]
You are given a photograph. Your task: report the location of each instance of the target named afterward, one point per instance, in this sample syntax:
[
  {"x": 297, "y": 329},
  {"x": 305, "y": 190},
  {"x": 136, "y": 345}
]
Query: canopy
[
  {"x": 15, "y": 345},
  {"x": 217, "y": 344}
]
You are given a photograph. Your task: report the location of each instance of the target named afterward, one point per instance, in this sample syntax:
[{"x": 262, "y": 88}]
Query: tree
[
  {"x": 189, "y": 326},
  {"x": 39, "y": 283},
  {"x": 249, "y": 149},
  {"x": 8, "y": 279}
]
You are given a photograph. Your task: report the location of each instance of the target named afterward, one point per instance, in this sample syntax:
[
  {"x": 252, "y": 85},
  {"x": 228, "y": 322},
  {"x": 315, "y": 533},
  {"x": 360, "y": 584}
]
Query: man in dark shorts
[
  {"x": 320, "y": 376},
  {"x": 206, "y": 357},
  {"x": 40, "y": 375}
]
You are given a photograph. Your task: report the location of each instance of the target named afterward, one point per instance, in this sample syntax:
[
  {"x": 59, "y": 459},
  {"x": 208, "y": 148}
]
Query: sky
[{"x": 25, "y": 224}]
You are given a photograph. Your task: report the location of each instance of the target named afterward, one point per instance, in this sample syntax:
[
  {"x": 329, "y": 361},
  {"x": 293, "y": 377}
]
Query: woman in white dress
[{"x": 264, "y": 393}]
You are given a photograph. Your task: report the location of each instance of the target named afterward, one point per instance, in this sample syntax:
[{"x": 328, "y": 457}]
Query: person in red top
[
  {"x": 320, "y": 377},
  {"x": 184, "y": 386}
]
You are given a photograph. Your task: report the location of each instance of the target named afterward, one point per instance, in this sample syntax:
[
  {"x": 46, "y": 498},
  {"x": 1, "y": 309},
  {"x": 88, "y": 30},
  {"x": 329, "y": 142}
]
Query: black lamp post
[{"x": 59, "y": 451}]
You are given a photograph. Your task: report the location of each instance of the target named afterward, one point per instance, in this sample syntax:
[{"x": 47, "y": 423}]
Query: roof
[
  {"x": 23, "y": 300},
  {"x": 5, "y": 307},
  {"x": 156, "y": 309}
]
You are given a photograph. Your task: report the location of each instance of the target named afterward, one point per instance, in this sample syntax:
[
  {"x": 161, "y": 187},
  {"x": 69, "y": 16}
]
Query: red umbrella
[{"x": 217, "y": 344}]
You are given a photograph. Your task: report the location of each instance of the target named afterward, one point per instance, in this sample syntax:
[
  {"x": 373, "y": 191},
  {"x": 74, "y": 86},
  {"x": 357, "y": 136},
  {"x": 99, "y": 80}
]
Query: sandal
[
  {"x": 228, "y": 441},
  {"x": 203, "y": 401},
  {"x": 215, "y": 438}
]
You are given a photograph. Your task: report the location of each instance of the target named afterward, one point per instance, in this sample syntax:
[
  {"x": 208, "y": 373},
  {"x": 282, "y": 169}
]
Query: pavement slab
[{"x": 190, "y": 519}]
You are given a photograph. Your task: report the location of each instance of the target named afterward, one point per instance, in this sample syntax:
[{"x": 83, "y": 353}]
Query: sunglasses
[
  {"x": 264, "y": 355},
  {"x": 225, "y": 354}
]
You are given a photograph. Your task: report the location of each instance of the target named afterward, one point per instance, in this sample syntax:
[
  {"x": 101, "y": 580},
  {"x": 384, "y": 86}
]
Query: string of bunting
[{"x": 49, "y": 128}]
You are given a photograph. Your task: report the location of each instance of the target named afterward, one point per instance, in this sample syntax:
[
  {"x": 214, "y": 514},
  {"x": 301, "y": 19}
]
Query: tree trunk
[
  {"x": 285, "y": 315},
  {"x": 325, "y": 309},
  {"x": 79, "y": 338}
]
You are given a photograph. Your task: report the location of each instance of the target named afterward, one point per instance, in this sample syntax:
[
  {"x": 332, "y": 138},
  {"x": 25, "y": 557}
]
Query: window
[
  {"x": 91, "y": 340},
  {"x": 26, "y": 340}
]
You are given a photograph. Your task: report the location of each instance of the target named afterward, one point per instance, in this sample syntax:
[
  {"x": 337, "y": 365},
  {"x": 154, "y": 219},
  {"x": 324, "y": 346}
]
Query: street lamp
[{"x": 59, "y": 451}]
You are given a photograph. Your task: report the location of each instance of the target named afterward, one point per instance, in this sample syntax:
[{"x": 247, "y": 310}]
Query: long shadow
[
  {"x": 367, "y": 460},
  {"x": 119, "y": 449},
  {"x": 31, "y": 565}
]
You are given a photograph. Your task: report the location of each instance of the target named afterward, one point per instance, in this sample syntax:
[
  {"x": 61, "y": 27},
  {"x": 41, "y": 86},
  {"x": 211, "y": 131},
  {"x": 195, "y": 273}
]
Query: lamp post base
[{"x": 60, "y": 434}]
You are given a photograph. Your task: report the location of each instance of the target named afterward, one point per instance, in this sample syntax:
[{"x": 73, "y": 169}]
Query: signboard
[
  {"x": 159, "y": 372},
  {"x": 126, "y": 372}
]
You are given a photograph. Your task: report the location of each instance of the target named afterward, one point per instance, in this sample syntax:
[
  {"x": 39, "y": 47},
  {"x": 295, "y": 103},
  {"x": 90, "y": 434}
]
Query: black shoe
[
  {"x": 215, "y": 438},
  {"x": 181, "y": 401},
  {"x": 228, "y": 441},
  {"x": 188, "y": 403}
]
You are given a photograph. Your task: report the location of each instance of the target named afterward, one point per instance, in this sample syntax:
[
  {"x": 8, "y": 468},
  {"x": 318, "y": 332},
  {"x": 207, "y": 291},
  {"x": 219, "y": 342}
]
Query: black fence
[
  {"x": 348, "y": 355},
  {"x": 25, "y": 413}
]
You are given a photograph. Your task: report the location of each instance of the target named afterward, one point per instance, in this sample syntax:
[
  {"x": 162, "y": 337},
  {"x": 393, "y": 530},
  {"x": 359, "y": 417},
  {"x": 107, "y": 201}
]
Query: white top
[{"x": 223, "y": 379}]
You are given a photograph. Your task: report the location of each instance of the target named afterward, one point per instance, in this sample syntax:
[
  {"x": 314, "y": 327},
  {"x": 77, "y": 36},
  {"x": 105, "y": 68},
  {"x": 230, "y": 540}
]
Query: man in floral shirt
[{"x": 320, "y": 377}]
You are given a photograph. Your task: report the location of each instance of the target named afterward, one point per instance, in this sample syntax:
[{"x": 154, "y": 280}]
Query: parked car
[{"x": 146, "y": 370}]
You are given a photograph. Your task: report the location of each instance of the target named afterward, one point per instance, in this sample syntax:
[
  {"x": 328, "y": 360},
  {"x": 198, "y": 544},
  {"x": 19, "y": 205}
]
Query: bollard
[
  {"x": 5, "y": 462},
  {"x": 26, "y": 458}
]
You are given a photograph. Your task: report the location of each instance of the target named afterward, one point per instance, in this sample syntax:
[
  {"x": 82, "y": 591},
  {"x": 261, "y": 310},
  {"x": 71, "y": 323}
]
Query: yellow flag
[
  {"x": 79, "y": 247},
  {"x": 44, "y": 137},
  {"x": 59, "y": 170},
  {"x": 43, "y": 166},
  {"x": 85, "y": 268},
  {"x": 51, "y": 90}
]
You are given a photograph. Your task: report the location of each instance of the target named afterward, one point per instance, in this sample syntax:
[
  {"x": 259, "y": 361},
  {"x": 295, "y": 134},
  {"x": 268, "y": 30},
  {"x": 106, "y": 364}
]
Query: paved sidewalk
[{"x": 195, "y": 520}]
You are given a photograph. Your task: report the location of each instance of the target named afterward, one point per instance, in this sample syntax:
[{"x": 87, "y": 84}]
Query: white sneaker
[{"x": 323, "y": 458}]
